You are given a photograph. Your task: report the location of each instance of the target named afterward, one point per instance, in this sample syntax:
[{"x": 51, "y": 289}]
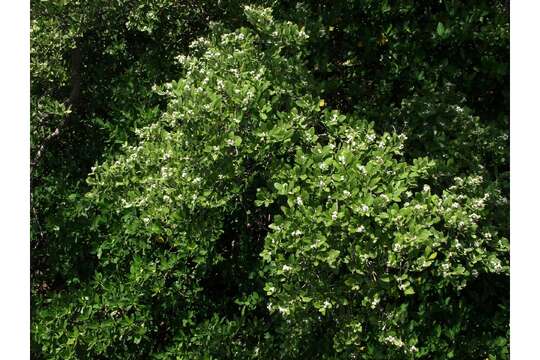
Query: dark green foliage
[{"x": 304, "y": 181}]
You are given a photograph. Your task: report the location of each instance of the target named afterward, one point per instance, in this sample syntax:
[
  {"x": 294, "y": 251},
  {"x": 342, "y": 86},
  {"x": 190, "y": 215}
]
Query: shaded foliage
[{"x": 308, "y": 180}]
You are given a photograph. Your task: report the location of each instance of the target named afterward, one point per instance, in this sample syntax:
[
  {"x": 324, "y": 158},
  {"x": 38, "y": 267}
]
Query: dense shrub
[
  {"x": 358, "y": 257},
  {"x": 259, "y": 208},
  {"x": 93, "y": 64}
]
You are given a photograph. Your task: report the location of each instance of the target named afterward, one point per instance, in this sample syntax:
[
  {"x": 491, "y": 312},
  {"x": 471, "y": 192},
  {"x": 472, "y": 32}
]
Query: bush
[{"x": 253, "y": 221}]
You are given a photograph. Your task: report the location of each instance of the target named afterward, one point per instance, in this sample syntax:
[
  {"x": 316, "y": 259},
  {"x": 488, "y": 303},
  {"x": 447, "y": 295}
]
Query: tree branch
[{"x": 73, "y": 101}]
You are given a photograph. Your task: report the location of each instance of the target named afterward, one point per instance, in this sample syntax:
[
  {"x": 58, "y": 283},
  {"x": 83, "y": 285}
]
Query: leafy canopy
[{"x": 251, "y": 220}]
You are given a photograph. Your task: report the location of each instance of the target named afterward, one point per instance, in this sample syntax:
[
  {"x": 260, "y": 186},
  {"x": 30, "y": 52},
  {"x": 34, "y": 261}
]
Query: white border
[
  {"x": 15, "y": 174},
  {"x": 525, "y": 181}
]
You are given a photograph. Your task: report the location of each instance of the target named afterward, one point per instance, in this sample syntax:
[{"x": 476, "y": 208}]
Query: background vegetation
[{"x": 269, "y": 179}]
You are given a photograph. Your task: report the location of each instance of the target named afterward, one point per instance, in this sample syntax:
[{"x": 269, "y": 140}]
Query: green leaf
[
  {"x": 440, "y": 29},
  {"x": 408, "y": 291}
]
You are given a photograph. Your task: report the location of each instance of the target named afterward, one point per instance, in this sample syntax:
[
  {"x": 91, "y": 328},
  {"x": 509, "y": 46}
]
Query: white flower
[
  {"x": 360, "y": 229},
  {"x": 326, "y": 304},
  {"x": 394, "y": 341},
  {"x": 334, "y": 215},
  {"x": 346, "y": 193},
  {"x": 286, "y": 268},
  {"x": 361, "y": 168},
  {"x": 365, "y": 208},
  {"x": 341, "y": 159},
  {"x": 165, "y": 172},
  {"x": 477, "y": 180},
  {"x": 426, "y": 188},
  {"x": 296, "y": 233},
  {"x": 283, "y": 310},
  {"x": 371, "y": 137},
  {"x": 478, "y": 203},
  {"x": 315, "y": 244},
  {"x": 474, "y": 217},
  {"x": 299, "y": 201},
  {"x": 497, "y": 267},
  {"x": 302, "y": 34}
]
